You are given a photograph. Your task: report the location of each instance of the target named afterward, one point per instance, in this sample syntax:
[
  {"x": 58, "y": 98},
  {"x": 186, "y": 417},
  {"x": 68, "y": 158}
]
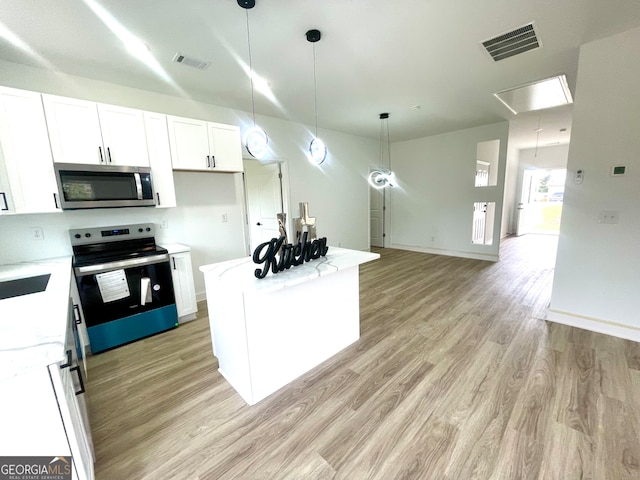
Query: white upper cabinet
[
  {"x": 225, "y": 146},
  {"x": 74, "y": 130},
  {"x": 90, "y": 133},
  {"x": 160, "y": 159},
  {"x": 27, "y": 179},
  {"x": 189, "y": 143},
  {"x": 201, "y": 145},
  {"x": 123, "y": 135}
]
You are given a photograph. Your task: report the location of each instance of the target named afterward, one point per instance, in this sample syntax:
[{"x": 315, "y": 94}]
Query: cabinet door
[
  {"x": 26, "y": 152},
  {"x": 225, "y": 146},
  {"x": 160, "y": 159},
  {"x": 189, "y": 144},
  {"x": 30, "y": 419},
  {"x": 63, "y": 385},
  {"x": 123, "y": 136},
  {"x": 7, "y": 206},
  {"x": 74, "y": 130},
  {"x": 182, "y": 272}
]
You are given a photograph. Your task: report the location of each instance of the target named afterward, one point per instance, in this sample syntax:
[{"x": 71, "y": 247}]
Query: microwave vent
[{"x": 190, "y": 61}]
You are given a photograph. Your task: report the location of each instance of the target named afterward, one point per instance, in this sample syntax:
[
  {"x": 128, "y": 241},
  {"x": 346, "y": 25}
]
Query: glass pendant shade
[
  {"x": 255, "y": 141},
  {"x": 381, "y": 178},
  {"x": 317, "y": 151}
]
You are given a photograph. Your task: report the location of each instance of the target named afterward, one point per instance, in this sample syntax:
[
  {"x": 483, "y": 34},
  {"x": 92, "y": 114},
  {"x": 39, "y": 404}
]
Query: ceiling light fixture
[
  {"x": 383, "y": 177},
  {"x": 317, "y": 148},
  {"x": 255, "y": 139}
]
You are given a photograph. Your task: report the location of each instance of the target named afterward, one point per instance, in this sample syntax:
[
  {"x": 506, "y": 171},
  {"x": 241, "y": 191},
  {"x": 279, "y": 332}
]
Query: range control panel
[{"x": 84, "y": 236}]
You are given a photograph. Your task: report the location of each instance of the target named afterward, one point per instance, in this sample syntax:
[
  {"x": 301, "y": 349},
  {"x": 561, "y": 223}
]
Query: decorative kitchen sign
[{"x": 279, "y": 256}]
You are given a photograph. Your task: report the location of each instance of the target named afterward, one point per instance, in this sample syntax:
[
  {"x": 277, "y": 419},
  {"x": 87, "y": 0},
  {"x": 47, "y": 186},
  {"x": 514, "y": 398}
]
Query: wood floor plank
[
  {"x": 454, "y": 377},
  {"x": 580, "y": 395},
  {"x": 618, "y": 454},
  {"x": 568, "y": 455},
  {"x": 534, "y": 412}
]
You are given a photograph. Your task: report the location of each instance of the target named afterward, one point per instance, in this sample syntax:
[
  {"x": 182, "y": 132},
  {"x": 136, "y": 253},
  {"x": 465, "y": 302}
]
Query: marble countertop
[
  {"x": 33, "y": 327},
  {"x": 175, "y": 248},
  {"x": 238, "y": 274}
]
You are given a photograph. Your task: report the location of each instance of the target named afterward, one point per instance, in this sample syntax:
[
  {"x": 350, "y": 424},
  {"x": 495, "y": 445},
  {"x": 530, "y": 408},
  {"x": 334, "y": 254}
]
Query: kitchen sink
[{"x": 23, "y": 286}]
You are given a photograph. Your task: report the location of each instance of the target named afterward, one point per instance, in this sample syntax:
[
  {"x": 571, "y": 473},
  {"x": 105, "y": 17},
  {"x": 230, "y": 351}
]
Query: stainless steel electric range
[{"x": 125, "y": 284}]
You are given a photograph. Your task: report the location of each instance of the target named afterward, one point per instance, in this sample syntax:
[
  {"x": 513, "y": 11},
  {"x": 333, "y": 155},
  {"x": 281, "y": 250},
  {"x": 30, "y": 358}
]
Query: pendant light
[
  {"x": 255, "y": 139},
  {"x": 317, "y": 148},
  {"x": 383, "y": 177}
]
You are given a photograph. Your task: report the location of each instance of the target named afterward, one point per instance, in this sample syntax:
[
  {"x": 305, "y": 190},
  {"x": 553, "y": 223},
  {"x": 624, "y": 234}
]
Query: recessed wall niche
[
  {"x": 484, "y": 214},
  {"x": 487, "y": 155}
]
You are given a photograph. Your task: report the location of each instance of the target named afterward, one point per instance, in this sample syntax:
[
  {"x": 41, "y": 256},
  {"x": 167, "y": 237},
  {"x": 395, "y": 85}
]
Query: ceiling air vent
[
  {"x": 512, "y": 43},
  {"x": 190, "y": 61}
]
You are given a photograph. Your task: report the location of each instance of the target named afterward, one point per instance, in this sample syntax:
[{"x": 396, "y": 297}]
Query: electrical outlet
[
  {"x": 164, "y": 224},
  {"x": 37, "y": 233},
  {"x": 225, "y": 218},
  {"x": 608, "y": 216}
]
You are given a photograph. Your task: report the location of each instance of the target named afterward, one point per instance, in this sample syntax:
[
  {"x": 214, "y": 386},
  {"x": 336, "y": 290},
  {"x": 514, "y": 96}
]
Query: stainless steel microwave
[{"x": 103, "y": 186}]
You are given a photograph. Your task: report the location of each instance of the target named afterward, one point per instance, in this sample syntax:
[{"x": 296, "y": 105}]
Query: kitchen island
[{"x": 267, "y": 332}]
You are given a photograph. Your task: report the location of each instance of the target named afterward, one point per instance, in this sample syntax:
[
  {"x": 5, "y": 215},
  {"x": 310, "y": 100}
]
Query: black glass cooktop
[{"x": 23, "y": 286}]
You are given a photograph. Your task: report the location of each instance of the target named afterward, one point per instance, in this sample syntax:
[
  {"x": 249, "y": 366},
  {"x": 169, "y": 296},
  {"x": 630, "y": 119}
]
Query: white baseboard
[
  {"x": 594, "y": 325},
  {"x": 447, "y": 252}
]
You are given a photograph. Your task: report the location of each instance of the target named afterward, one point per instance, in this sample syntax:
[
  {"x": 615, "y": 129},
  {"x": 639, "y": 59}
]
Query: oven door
[{"x": 126, "y": 300}]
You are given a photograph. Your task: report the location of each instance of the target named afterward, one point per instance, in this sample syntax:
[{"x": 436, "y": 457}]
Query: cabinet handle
[
  {"x": 55, "y": 200},
  {"x": 76, "y": 314},
  {"x": 68, "y": 364},
  {"x": 213, "y": 158},
  {"x": 174, "y": 262},
  {"x": 100, "y": 152},
  {"x": 109, "y": 154},
  {"x": 82, "y": 389},
  {"x": 6, "y": 205},
  {"x": 158, "y": 197},
  {"x": 208, "y": 162}
]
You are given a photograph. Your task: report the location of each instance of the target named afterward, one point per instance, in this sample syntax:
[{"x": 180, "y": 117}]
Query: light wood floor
[{"x": 454, "y": 377}]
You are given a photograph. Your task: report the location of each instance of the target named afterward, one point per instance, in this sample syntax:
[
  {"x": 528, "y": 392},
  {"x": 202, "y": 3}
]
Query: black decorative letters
[{"x": 289, "y": 255}]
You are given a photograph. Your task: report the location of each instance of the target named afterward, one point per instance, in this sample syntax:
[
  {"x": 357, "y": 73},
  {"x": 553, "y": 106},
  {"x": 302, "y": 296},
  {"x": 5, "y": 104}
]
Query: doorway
[
  {"x": 377, "y": 208},
  {"x": 265, "y": 198},
  {"x": 540, "y": 206}
]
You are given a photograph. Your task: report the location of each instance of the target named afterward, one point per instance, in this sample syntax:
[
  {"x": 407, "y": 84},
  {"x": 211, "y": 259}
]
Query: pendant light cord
[
  {"x": 381, "y": 144},
  {"x": 535, "y": 155},
  {"x": 388, "y": 144},
  {"x": 253, "y": 107},
  {"x": 315, "y": 88}
]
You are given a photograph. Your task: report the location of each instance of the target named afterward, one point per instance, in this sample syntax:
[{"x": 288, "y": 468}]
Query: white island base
[{"x": 268, "y": 332}]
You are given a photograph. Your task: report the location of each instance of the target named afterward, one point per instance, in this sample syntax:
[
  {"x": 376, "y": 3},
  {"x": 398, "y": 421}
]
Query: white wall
[
  {"x": 432, "y": 205},
  {"x": 337, "y": 191},
  {"x": 510, "y": 201},
  {"x": 598, "y": 265}
]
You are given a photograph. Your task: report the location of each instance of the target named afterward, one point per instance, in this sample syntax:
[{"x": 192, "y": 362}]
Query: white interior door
[
  {"x": 376, "y": 216},
  {"x": 264, "y": 201},
  {"x": 524, "y": 206}
]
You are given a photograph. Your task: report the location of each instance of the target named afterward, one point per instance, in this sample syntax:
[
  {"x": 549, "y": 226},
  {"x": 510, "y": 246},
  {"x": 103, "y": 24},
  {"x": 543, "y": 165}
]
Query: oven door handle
[{"x": 134, "y": 262}]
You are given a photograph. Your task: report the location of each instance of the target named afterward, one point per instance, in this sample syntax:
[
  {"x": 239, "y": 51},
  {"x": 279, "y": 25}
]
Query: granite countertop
[
  {"x": 33, "y": 327},
  {"x": 238, "y": 274}
]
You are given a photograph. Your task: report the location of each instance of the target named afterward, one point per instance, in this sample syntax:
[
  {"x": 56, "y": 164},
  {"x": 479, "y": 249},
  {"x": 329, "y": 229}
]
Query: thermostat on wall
[{"x": 618, "y": 170}]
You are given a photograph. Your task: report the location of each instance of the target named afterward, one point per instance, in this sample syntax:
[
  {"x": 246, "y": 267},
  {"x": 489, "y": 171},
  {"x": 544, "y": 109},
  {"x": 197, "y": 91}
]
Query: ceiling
[{"x": 374, "y": 56}]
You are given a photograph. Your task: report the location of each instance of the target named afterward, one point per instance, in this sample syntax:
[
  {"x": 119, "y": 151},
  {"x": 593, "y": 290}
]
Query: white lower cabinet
[
  {"x": 183, "y": 286},
  {"x": 44, "y": 413}
]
